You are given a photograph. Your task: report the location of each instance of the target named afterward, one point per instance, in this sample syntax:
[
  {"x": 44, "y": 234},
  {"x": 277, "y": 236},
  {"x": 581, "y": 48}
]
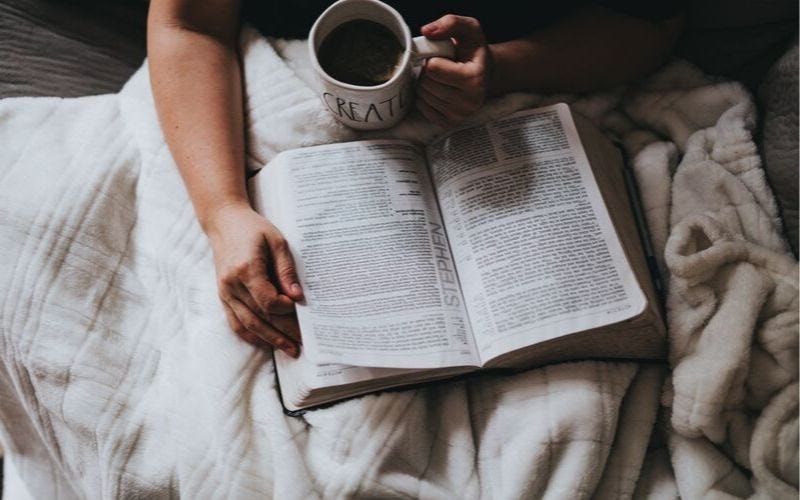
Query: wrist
[
  {"x": 495, "y": 81},
  {"x": 215, "y": 219},
  {"x": 491, "y": 71},
  {"x": 515, "y": 67}
]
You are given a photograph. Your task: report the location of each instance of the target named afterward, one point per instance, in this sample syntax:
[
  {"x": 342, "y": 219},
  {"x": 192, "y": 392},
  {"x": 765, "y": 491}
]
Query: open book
[{"x": 497, "y": 246}]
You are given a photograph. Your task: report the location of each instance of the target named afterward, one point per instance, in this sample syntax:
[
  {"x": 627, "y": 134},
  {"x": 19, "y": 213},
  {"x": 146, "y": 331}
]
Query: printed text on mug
[{"x": 361, "y": 112}]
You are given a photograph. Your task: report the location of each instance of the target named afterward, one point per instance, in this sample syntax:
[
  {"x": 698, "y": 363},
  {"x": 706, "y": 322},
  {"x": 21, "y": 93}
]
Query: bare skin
[
  {"x": 196, "y": 78},
  {"x": 195, "y": 74},
  {"x": 593, "y": 48}
]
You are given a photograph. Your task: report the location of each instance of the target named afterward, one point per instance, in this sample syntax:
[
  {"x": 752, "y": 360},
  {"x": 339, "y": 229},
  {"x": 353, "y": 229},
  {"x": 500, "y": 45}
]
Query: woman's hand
[
  {"x": 451, "y": 90},
  {"x": 257, "y": 279}
]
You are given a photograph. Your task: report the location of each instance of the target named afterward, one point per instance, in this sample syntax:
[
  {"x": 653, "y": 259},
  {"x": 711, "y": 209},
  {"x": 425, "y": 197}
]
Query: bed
[{"x": 118, "y": 377}]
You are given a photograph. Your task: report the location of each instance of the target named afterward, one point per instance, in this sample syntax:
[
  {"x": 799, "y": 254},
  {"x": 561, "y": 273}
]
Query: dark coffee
[{"x": 360, "y": 52}]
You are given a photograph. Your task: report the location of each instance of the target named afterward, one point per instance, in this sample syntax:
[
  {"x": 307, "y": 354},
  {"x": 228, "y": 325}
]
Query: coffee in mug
[
  {"x": 361, "y": 52},
  {"x": 363, "y": 55}
]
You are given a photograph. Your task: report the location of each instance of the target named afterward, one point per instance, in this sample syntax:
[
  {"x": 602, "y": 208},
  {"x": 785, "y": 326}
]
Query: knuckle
[
  {"x": 251, "y": 324},
  {"x": 226, "y": 282},
  {"x": 235, "y": 324},
  {"x": 267, "y": 306},
  {"x": 240, "y": 270},
  {"x": 271, "y": 304},
  {"x": 434, "y": 65},
  {"x": 472, "y": 22},
  {"x": 266, "y": 293}
]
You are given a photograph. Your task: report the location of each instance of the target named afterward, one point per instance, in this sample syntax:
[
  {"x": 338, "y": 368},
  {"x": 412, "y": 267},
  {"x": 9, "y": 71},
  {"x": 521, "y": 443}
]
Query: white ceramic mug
[{"x": 377, "y": 106}]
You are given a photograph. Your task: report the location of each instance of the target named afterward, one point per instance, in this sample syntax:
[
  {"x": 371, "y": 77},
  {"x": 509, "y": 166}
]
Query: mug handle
[{"x": 423, "y": 48}]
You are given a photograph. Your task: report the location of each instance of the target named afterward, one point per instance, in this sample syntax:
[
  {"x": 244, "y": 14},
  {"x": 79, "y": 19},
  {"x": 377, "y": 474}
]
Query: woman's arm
[
  {"x": 194, "y": 72},
  {"x": 196, "y": 81},
  {"x": 591, "y": 48}
]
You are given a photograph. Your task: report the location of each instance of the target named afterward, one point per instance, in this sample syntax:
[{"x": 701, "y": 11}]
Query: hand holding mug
[
  {"x": 448, "y": 91},
  {"x": 363, "y": 54}
]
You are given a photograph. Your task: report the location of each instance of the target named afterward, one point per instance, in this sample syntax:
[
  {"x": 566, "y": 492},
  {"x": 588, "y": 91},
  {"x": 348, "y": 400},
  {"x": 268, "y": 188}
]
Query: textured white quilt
[{"x": 120, "y": 378}]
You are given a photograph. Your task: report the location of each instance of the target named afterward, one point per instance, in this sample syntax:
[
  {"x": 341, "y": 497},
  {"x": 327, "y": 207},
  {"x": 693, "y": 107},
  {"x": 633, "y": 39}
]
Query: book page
[
  {"x": 372, "y": 256},
  {"x": 298, "y": 376},
  {"x": 534, "y": 246},
  {"x": 331, "y": 374}
]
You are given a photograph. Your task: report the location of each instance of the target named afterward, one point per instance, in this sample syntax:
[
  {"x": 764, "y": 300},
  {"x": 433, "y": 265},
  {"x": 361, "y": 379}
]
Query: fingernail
[
  {"x": 291, "y": 351},
  {"x": 296, "y": 289}
]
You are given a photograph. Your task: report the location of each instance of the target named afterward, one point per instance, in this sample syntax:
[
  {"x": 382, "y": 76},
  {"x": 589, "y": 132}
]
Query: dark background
[{"x": 81, "y": 47}]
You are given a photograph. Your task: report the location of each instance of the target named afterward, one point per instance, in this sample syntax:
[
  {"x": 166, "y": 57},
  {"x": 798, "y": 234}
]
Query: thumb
[
  {"x": 285, "y": 269},
  {"x": 466, "y": 30}
]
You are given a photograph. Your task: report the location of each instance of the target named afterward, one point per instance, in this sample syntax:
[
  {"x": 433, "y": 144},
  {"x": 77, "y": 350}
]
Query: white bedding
[{"x": 120, "y": 378}]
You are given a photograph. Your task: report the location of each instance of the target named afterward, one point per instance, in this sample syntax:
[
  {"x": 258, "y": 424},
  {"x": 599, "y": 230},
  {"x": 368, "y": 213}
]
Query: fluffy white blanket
[{"x": 120, "y": 378}]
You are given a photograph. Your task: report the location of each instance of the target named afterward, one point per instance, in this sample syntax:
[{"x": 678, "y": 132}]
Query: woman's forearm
[
  {"x": 593, "y": 48},
  {"x": 196, "y": 81}
]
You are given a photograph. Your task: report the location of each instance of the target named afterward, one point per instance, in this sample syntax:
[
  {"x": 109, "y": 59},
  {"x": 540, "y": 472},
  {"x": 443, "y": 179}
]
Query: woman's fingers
[
  {"x": 431, "y": 113},
  {"x": 248, "y": 318},
  {"x": 241, "y": 331},
  {"x": 438, "y": 89},
  {"x": 452, "y": 112},
  {"x": 279, "y": 313},
  {"x": 466, "y": 30},
  {"x": 454, "y": 89},
  {"x": 262, "y": 296},
  {"x": 250, "y": 279},
  {"x": 284, "y": 268},
  {"x": 287, "y": 325},
  {"x": 465, "y": 101},
  {"x": 461, "y": 75},
  {"x": 248, "y": 321}
]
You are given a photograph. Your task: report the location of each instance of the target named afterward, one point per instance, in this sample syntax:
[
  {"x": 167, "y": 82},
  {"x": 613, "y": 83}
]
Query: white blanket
[{"x": 120, "y": 378}]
